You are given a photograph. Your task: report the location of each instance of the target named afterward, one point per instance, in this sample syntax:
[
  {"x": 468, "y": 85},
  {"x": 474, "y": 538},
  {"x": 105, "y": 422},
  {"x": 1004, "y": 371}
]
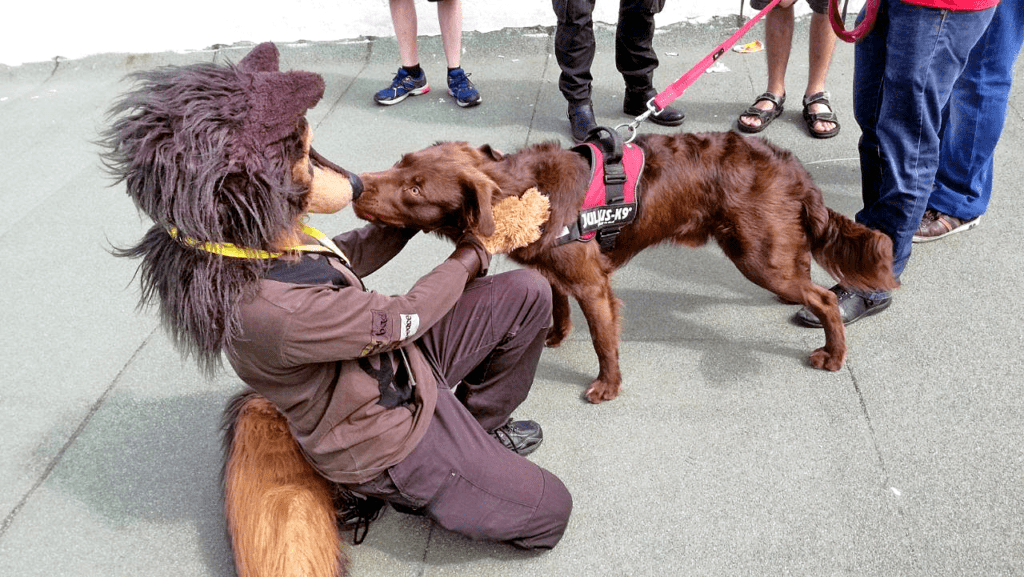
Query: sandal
[
  {"x": 811, "y": 117},
  {"x": 765, "y": 116}
]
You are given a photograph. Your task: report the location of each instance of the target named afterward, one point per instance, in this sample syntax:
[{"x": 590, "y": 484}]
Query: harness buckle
[{"x": 607, "y": 237}]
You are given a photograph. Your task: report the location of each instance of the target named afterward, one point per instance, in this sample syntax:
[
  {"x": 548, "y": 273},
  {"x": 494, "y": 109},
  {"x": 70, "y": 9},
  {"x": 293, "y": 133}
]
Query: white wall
[{"x": 41, "y": 31}]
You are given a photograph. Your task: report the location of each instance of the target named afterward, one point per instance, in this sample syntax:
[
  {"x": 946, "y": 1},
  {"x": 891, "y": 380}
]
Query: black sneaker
[
  {"x": 853, "y": 306},
  {"x": 522, "y": 437},
  {"x": 403, "y": 86}
]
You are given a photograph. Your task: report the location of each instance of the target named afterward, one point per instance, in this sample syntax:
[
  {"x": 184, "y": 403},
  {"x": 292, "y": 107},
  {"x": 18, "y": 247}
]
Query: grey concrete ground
[{"x": 725, "y": 454}]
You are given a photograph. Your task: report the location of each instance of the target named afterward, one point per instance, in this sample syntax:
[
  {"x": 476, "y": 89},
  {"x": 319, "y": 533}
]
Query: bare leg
[
  {"x": 449, "y": 16},
  {"x": 822, "y": 45},
  {"x": 778, "y": 42},
  {"x": 403, "y": 17}
]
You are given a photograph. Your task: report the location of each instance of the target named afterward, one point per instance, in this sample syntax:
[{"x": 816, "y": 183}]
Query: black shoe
[
  {"x": 635, "y": 104},
  {"x": 521, "y": 437},
  {"x": 581, "y": 117},
  {"x": 852, "y": 307}
]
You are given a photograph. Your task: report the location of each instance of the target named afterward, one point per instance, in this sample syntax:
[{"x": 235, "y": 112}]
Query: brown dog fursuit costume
[
  {"x": 207, "y": 152},
  {"x": 756, "y": 200}
]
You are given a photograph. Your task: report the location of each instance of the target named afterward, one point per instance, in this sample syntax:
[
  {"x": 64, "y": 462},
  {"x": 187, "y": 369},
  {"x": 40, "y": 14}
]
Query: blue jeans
[
  {"x": 971, "y": 129},
  {"x": 904, "y": 72}
]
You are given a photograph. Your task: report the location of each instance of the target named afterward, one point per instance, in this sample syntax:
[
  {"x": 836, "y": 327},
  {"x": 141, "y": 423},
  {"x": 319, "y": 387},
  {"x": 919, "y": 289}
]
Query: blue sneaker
[
  {"x": 403, "y": 86},
  {"x": 462, "y": 89}
]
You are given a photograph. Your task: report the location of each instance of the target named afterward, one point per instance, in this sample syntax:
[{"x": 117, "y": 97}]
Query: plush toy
[{"x": 517, "y": 221}]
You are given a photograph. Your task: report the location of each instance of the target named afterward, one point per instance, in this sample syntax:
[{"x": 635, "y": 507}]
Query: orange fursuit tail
[{"x": 280, "y": 512}]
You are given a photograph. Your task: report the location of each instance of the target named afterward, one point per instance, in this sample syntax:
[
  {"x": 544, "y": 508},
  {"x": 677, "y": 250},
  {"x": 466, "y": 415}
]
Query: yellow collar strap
[{"x": 230, "y": 250}]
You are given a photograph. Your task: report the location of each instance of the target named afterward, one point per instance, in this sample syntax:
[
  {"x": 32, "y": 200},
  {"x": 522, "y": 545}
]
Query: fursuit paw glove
[{"x": 517, "y": 221}]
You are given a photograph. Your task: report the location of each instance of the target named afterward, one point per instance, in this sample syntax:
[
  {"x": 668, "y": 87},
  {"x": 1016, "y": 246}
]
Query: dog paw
[
  {"x": 600, "y": 391},
  {"x": 555, "y": 337},
  {"x": 826, "y": 361}
]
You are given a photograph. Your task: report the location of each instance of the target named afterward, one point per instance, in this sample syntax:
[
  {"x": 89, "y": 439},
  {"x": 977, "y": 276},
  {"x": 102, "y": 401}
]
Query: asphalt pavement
[{"x": 725, "y": 455}]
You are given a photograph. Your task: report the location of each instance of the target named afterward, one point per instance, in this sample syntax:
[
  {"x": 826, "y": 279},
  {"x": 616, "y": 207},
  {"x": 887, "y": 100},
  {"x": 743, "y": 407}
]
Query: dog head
[{"x": 443, "y": 188}]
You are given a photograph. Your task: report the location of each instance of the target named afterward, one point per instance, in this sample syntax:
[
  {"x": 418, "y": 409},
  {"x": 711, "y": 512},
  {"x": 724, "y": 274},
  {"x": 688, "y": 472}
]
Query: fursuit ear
[{"x": 478, "y": 189}]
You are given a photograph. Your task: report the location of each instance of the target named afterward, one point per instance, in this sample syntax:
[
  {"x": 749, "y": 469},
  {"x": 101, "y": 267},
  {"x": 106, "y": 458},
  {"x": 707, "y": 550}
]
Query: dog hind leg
[
  {"x": 789, "y": 277},
  {"x": 280, "y": 512}
]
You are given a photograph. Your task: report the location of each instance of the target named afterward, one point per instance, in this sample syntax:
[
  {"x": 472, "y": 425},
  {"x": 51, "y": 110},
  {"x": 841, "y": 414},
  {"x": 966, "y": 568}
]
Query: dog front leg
[
  {"x": 603, "y": 313},
  {"x": 561, "y": 315},
  {"x": 825, "y": 306}
]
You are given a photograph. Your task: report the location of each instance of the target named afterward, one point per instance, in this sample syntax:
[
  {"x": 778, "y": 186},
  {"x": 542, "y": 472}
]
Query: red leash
[
  {"x": 861, "y": 30},
  {"x": 676, "y": 89}
]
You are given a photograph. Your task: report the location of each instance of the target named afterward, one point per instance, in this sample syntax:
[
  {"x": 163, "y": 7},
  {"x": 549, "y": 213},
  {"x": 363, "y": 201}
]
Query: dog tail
[
  {"x": 855, "y": 255},
  {"x": 280, "y": 511}
]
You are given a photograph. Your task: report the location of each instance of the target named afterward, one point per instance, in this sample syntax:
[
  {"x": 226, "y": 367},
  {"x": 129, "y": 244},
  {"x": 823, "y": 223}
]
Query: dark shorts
[{"x": 817, "y": 6}]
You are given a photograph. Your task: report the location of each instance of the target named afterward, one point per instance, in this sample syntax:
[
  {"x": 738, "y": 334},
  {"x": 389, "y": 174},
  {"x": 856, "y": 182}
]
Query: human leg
[
  {"x": 922, "y": 53},
  {"x": 465, "y": 481},
  {"x": 778, "y": 41},
  {"x": 449, "y": 16},
  {"x": 971, "y": 129},
  {"x": 820, "y": 116},
  {"x": 636, "y": 59},
  {"x": 403, "y": 18},
  {"x": 410, "y": 79},
  {"x": 491, "y": 342},
  {"x": 575, "y": 47}
]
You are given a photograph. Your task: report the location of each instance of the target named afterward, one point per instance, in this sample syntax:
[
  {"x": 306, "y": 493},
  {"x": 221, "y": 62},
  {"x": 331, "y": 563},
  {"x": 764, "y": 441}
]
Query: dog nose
[{"x": 357, "y": 185}]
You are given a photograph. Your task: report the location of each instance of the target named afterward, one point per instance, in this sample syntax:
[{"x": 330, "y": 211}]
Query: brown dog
[{"x": 756, "y": 200}]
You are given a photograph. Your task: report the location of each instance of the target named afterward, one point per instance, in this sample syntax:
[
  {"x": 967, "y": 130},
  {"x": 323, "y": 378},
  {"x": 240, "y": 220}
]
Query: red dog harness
[{"x": 611, "y": 201}]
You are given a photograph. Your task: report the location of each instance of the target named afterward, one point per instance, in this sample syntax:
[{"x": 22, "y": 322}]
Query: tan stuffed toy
[{"x": 517, "y": 221}]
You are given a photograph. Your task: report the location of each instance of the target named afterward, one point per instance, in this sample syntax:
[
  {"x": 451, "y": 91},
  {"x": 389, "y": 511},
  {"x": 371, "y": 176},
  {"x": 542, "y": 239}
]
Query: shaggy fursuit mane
[{"x": 184, "y": 143}]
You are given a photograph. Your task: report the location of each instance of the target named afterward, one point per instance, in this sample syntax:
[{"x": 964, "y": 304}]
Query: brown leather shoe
[{"x": 935, "y": 225}]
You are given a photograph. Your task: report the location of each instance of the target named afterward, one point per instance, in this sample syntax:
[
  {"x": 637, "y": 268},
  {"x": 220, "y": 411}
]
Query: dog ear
[
  {"x": 478, "y": 189},
  {"x": 491, "y": 153}
]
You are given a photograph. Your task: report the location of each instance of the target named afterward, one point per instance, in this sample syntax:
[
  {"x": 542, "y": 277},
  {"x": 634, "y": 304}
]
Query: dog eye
[{"x": 414, "y": 190}]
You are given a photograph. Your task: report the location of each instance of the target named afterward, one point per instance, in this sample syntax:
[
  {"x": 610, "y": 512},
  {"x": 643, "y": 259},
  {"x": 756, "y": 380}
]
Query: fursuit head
[{"x": 756, "y": 200}]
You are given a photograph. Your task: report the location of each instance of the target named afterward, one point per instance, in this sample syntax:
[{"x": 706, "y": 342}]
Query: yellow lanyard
[{"x": 230, "y": 250}]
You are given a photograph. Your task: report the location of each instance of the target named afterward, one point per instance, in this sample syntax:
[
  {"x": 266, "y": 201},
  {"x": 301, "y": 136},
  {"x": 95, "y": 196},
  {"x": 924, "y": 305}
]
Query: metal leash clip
[{"x": 633, "y": 126}]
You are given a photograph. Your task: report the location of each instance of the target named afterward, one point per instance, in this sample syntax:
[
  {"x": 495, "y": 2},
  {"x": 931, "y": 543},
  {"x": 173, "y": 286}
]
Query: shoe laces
[
  {"x": 355, "y": 512},
  {"x": 458, "y": 81},
  {"x": 402, "y": 78},
  {"x": 506, "y": 436}
]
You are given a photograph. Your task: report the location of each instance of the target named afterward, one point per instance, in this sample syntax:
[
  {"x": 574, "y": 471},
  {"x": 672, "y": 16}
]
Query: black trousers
[
  {"x": 459, "y": 475},
  {"x": 575, "y": 45}
]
